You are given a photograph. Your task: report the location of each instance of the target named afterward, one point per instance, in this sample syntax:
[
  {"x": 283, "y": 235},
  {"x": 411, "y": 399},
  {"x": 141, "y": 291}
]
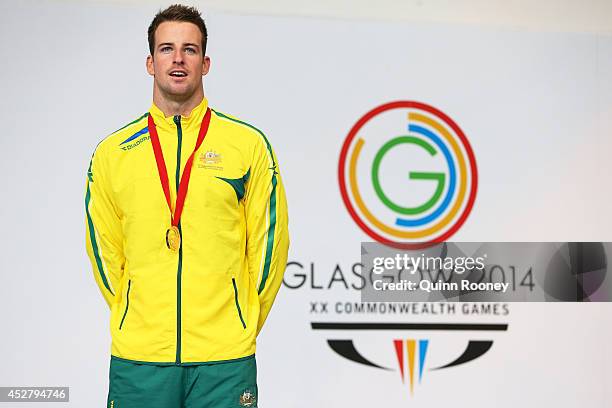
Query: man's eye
[
  {"x": 190, "y": 50},
  {"x": 166, "y": 49}
]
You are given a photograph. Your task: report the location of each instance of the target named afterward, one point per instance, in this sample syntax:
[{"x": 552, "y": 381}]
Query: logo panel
[{"x": 427, "y": 203}]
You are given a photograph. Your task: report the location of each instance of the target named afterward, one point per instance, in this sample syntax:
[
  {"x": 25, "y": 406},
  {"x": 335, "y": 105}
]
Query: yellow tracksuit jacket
[{"x": 208, "y": 301}]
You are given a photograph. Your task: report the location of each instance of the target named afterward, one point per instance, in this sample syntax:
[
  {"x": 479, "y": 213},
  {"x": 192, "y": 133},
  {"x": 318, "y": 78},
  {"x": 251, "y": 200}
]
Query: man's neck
[{"x": 172, "y": 107}]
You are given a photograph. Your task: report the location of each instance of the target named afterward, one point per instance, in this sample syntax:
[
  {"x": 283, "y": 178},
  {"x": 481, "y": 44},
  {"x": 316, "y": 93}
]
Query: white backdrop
[{"x": 536, "y": 107}]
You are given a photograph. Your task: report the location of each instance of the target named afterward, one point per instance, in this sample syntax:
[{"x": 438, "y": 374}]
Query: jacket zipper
[
  {"x": 127, "y": 303},
  {"x": 237, "y": 303},
  {"x": 179, "y": 134}
]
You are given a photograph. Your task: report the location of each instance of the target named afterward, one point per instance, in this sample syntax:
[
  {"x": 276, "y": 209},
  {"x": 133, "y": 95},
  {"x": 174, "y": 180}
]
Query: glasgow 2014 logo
[{"x": 426, "y": 205}]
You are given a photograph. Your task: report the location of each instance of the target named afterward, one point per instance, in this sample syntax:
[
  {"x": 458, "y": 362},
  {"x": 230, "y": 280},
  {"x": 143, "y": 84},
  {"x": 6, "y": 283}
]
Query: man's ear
[
  {"x": 205, "y": 65},
  {"x": 150, "y": 68}
]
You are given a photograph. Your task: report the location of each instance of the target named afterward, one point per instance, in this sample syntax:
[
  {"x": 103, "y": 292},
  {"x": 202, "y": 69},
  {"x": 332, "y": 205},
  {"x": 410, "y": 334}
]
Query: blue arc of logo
[{"x": 452, "y": 180}]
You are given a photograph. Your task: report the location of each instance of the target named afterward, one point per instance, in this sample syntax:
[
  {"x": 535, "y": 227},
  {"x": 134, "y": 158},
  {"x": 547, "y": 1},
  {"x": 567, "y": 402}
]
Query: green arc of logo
[{"x": 413, "y": 175}]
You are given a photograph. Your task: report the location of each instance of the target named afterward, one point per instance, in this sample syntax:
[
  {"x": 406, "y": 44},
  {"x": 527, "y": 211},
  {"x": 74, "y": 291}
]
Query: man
[{"x": 187, "y": 234}]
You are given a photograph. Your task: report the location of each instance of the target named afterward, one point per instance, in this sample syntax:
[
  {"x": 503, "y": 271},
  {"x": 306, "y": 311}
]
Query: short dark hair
[{"x": 178, "y": 12}]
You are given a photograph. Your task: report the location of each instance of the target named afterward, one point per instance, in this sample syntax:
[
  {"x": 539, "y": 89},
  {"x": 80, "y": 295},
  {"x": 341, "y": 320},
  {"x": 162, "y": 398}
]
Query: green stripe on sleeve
[
  {"x": 94, "y": 243},
  {"x": 270, "y": 244}
]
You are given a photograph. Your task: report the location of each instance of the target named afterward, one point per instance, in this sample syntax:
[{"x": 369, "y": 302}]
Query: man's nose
[{"x": 178, "y": 57}]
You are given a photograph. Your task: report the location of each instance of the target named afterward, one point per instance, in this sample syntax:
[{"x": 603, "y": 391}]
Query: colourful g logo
[{"x": 426, "y": 205}]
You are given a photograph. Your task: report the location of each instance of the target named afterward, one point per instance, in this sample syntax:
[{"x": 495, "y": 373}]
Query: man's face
[{"x": 178, "y": 62}]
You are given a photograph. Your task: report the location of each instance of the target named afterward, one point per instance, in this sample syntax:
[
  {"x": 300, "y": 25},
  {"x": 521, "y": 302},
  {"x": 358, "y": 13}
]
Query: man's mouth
[{"x": 178, "y": 74}]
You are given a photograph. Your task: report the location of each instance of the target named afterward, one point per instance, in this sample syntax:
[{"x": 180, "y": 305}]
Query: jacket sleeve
[
  {"x": 103, "y": 238},
  {"x": 267, "y": 226}
]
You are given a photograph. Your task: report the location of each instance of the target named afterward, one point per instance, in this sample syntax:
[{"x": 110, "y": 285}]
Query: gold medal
[{"x": 173, "y": 238}]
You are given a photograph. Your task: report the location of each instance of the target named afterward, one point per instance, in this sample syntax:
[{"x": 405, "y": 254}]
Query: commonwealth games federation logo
[{"x": 407, "y": 175}]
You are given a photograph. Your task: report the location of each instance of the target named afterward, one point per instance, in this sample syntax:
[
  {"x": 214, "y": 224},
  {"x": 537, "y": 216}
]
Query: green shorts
[{"x": 219, "y": 385}]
